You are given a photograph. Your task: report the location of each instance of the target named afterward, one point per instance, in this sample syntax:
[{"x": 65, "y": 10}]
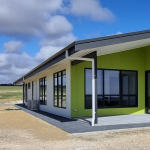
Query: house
[{"x": 95, "y": 77}]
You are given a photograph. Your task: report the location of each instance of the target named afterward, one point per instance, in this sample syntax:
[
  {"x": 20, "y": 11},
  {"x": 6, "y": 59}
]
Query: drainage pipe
[{"x": 94, "y": 96}]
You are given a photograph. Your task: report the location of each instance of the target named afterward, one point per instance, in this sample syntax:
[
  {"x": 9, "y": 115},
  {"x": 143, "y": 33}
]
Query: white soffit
[
  {"x": 46, "y": 71},
  {"x": 122, "y": 47}
]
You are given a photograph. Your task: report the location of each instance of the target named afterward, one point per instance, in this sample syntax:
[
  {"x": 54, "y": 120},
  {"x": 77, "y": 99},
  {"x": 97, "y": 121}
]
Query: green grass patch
[
  {"x": 10, "y": 93},
  {"x": 11, "y": 88}
]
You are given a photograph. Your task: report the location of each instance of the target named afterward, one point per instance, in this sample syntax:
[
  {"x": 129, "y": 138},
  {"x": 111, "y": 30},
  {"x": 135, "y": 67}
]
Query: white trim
[{"x": 93, "y": 84}]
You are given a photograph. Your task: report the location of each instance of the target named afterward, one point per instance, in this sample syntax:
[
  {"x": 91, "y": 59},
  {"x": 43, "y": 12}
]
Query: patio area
[{"x": 122, "y": 119}]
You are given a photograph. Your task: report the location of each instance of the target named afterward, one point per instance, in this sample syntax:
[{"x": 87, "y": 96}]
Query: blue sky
[{"x": 32, "y": 31}]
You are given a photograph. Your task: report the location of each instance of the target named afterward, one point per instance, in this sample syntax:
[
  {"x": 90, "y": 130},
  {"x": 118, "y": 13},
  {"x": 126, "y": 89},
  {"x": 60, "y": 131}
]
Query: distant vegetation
[
  {"x": 9, "y": 84},
  {"x": 10, "y": 93}
]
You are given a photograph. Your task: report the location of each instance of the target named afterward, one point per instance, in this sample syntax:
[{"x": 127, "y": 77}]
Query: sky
[{"x": 33, "y": 30}]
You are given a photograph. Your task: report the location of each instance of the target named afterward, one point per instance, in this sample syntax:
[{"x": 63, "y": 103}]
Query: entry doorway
[{"x": 147, "y": 92}]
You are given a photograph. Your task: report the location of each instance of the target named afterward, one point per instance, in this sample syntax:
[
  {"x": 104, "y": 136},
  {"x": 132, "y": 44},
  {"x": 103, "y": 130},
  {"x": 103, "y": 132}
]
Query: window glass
[
  {"x": 120, "y": 88},
  {"x": 88, "y": 101},
  {"x": 59, "y": 85},
  {"x": 60, "y": 89},
  {"x": 112, "y": 101},
  {"x": 129, "y": 101},
  {"x": 99, "y": 82},
  {"x": 55, "y": 86},
  {"x": 129, "y": 82},
  {"x": 64, "y": 84},
  {"x": 125, "y": 101},
  {"x": 111, "y": 82},
  {"x": 88, "y": 81},
  {"x": 59, "y": 101},
  {"x": 100, "y": 101},
  {"x": 45, "y": 88},
  {"x": 132, "y": 101}
]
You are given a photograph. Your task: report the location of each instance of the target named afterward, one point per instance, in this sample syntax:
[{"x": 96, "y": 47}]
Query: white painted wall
[
  {"x": 30, "y": 92},
  {"x": 35, "y": 90},
  {"x": 50, "y": 97}
]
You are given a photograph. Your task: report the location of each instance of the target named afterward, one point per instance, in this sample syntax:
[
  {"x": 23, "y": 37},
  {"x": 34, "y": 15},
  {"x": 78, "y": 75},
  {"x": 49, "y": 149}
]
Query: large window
[
  {"x": 60, "y": 89},
  {"x": 115, "y": 88},
  {"x": 43, "y": 90}
]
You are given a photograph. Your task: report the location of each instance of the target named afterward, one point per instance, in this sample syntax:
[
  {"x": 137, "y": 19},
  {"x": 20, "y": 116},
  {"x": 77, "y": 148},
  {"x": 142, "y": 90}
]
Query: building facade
[{"x": 122, "y": 64}]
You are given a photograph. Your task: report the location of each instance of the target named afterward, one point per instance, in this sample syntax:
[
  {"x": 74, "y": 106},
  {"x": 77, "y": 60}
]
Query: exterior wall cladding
[
  {"x": 136, "y": 59},
  {"x": 50, "y": 91}
]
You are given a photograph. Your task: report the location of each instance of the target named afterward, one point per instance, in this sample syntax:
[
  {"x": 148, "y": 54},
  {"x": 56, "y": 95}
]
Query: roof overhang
[{"x": 103, "y": 46}]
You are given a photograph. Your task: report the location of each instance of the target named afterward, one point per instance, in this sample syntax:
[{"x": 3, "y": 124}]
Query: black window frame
[
  {"x": 120, "y": 90},
  {"x": 43, "y": 101},
  {"x": 57, "y": 95}
]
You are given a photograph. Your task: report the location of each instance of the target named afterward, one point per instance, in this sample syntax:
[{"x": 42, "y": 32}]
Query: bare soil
[{"x": 20, "y": 130}]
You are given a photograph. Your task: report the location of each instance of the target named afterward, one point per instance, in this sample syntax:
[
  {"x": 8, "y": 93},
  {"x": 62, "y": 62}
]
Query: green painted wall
[{"x": 137, "y": 59}]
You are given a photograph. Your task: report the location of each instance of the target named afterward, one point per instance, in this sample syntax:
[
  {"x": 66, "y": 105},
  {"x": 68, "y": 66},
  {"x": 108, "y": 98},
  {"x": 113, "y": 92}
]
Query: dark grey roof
[
  {"x": 111, "y": 40},
  {"x": 86, "y": 44}
]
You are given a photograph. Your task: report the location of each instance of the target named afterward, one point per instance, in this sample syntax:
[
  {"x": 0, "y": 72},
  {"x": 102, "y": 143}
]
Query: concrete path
[
  {"x": 122, "y": 119},
  {"x": 75, "y": 126}
]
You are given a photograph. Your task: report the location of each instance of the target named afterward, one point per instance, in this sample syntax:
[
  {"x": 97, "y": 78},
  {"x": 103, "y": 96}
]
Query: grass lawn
[{"x": 10, "y": 93}]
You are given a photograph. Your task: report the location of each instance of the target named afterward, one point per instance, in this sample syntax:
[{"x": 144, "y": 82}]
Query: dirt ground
[{"x": 20, "y": 130}]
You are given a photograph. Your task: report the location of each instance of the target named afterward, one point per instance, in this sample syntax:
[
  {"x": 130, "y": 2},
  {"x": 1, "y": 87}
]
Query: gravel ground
[
  {"x": 14, "y": 102},
  {"x": 20, "y": 130}
]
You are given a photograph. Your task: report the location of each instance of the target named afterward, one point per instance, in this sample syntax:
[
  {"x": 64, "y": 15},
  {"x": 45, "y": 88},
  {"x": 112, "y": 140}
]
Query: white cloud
[
  {"x": 57, "y": 25},
  {"x": 46, "y": 52},
  {"x": 13, "y": 66},
  {"x": 61, "y": 41},
  {"x": 115, "y": 33},
  {"x": 9, "y": 63},
  {"x": 13, "y": 47},
  {"x": 119, "y": 32},
  {"x": 90, "y": 8},
  {"x": 24, "y": 19},
  {"x": 36, "y": 18}
]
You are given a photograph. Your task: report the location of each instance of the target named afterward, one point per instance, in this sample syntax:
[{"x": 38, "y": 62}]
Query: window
[
  {"x": 111, "y": 88},
  {"x": 115, "y": 88},
  {"x": 129, "y": 88},
  {"x": 60, "y": 89},
  {"x": 32, "y": 90},
  {"x": 26, "y": 93},
  {"x": 43, "y": 90},
  {"x": 29, "y": 85}
]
